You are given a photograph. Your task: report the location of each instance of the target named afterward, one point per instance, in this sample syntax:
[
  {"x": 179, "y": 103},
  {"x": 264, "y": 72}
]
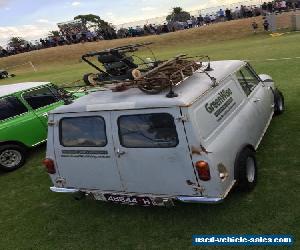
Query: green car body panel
[{"x": 30, "y": 128}]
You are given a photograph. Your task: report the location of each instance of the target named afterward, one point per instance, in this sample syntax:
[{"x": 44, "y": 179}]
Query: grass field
[{"x": 31, "y": 217}]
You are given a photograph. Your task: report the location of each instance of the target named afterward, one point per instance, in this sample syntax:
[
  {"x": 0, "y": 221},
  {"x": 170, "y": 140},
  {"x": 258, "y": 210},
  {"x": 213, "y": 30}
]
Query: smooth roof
[
  {"x": 188, "y": 92},
  {"x": 13, "y": 88}
]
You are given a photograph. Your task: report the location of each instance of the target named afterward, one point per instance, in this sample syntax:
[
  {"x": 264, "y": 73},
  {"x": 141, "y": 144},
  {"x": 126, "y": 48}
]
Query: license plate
[{"x": 130, "y": 200}]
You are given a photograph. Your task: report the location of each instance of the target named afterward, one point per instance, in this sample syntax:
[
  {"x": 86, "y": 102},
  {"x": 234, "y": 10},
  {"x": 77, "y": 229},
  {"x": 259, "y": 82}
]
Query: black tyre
[
  {"x": 12, "y": 157},
  {"x": 246, "y": 170},
  {"x": 278, "y": 102},
  {"x": 90, "y": 79},
  {"x": 3, "y": 74}
]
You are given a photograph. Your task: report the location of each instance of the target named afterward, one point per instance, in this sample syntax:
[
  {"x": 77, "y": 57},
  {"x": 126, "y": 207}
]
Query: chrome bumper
[
  {"x": 185, "y": 199},
  {"x": 191, "y": 199},
  {"x": 63, "y": 190}
]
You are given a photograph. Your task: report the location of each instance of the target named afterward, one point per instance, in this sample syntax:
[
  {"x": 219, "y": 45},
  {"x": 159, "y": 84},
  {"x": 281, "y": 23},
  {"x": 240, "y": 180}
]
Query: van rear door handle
[
  {"x": 120, "y": 153},
  {"x": 257, "y": 100}
]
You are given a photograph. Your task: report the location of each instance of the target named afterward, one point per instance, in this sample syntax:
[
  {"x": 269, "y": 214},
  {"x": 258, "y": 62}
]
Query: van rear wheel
[
  {"x": 246, "y": 170},
  {"x": 12, "y": 157}
]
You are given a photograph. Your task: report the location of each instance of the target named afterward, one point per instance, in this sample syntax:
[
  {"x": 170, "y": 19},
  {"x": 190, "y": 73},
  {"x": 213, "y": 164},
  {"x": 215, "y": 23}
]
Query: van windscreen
[
  {"x": 83, "y": 132},
  {"x": 148, "y": 131}
]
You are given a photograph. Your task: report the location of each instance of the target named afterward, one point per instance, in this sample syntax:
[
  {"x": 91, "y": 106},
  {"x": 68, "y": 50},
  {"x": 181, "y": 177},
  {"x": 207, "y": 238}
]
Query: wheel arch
[
  {"x": 14, "y": 143},
  {"x": 246, "y": 145}
]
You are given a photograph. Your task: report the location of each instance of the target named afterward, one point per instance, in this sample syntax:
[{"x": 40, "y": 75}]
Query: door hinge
[
  {"x": 51, "y": 123},
  {"x": 183, "y": 118}
]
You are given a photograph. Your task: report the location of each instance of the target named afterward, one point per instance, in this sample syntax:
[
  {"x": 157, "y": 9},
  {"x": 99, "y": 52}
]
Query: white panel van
[{"x": 130, "y": 147}]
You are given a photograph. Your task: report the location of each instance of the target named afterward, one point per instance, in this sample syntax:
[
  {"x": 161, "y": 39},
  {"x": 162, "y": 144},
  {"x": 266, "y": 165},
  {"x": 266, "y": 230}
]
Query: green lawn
[{"x": 31, "y": 217}]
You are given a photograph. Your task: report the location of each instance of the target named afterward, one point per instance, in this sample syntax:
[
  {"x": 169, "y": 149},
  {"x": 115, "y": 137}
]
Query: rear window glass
[
  {"x": 40, "y": 97},
  {"x": 10, "y": 107},
  {"x": 83, "y": 132},
  {"x": 148, "y": 131}
]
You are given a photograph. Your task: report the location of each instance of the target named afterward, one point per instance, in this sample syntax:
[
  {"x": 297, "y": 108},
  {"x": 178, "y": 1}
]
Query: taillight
[
  {"x": 203, "y": 170},
  {"x": 49, "y": 164}
]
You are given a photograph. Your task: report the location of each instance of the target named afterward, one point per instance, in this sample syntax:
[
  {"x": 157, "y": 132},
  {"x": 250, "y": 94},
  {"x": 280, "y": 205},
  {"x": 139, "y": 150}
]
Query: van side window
[
  {"x": 40, "y": 97},
  {"x": 247, "y": 79},
  {"x": 83, "y": 132},
  {"x": 148, "y": 131},
  {"x": 10, "y": 107}
]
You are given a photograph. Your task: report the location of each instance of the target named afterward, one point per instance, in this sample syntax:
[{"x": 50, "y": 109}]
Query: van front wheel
[
  {"x": 246, "y": 170},
  {"x": 279, "y": 102},
  {"x": 12, "y": 157}
]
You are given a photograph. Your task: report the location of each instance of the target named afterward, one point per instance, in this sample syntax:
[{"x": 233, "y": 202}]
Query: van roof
[
  {"x": 13, "y": 88},
  {"x": 194, "y": 87}
]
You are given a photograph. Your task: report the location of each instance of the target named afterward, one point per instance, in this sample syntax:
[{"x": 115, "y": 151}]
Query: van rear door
[
  {"x": 84, "y": 152},
  {"x": 152, "y": 151}
]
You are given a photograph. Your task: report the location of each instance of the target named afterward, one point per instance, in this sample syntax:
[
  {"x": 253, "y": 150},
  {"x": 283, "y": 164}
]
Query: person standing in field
[
  {"x": 283, "y": 6},
  {"x": 254, "y": 26},
  {"x": 266, "y": 25}
]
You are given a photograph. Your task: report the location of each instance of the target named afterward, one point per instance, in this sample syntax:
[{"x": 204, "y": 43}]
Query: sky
[{"x": 32, "y": 19}]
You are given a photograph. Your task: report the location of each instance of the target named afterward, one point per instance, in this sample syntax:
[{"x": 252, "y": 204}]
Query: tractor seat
[{"x": 108, "y": 58}]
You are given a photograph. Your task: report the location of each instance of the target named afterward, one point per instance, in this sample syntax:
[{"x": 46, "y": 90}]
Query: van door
[
  {"x": 84, "y": 152},
  {"x": 265, "y": 99},
  {"x": 259, "y": 100},
  {"x": 152, "y": 152}
]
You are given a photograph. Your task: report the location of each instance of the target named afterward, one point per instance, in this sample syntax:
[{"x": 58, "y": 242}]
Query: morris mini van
[{"x": 130, "y": 147}]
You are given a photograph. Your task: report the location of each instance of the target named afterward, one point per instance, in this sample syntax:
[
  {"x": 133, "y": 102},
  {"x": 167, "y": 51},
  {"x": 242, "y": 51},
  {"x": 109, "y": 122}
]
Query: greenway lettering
[{"x": 218, "y": 101}]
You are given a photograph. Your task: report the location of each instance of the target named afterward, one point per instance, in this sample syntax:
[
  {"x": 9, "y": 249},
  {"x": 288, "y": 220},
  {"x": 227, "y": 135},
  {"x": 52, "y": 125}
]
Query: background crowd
[{"x": 77, "y": 31}]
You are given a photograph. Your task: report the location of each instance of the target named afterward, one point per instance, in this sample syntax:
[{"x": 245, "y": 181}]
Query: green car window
[
  {"x": 40, "y": 97},
  {"x": 10, "y": 107}
]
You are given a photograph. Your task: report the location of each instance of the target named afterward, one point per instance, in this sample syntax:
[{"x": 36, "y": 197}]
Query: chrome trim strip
[
  {"x": 63, "y": 190},
  {"x": 38, "y": 143},
  {"x": 191, "y": 199}
]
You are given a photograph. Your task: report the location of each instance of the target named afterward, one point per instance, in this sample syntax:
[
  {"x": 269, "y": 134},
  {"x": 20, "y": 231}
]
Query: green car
[{"x": 23, "y": 118}]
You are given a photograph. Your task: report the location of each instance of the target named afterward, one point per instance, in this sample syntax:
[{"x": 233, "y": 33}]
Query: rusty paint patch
[
  {"x": 223, "y": 171},
  {"x": 204, "y": 150},
  {"x": 190, "y": 183},
  {"x": 199, "y": 189},
  {"x": 196, "y": 188},
  {"x": 199, "y": 150},
  {"x": 196, "y": 151},
  {"x": 60, "y": 182}
]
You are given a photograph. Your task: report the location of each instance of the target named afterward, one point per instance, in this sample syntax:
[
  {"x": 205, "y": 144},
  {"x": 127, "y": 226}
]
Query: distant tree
[
  {"x": 17, "y": 42},
  {"x": 103, "y": 28},
  {"x": 178, "y": 15},
  {"x": 53, "y": 33},
  {"x": 93, "y": 21}
]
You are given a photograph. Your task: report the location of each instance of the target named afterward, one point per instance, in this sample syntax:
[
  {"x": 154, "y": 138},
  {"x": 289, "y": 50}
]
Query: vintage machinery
[{"x": 119, "y": 70}]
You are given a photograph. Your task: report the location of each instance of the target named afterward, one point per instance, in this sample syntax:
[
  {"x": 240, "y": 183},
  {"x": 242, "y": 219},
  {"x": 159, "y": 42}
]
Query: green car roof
[{"x": 17, "y": 87}]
